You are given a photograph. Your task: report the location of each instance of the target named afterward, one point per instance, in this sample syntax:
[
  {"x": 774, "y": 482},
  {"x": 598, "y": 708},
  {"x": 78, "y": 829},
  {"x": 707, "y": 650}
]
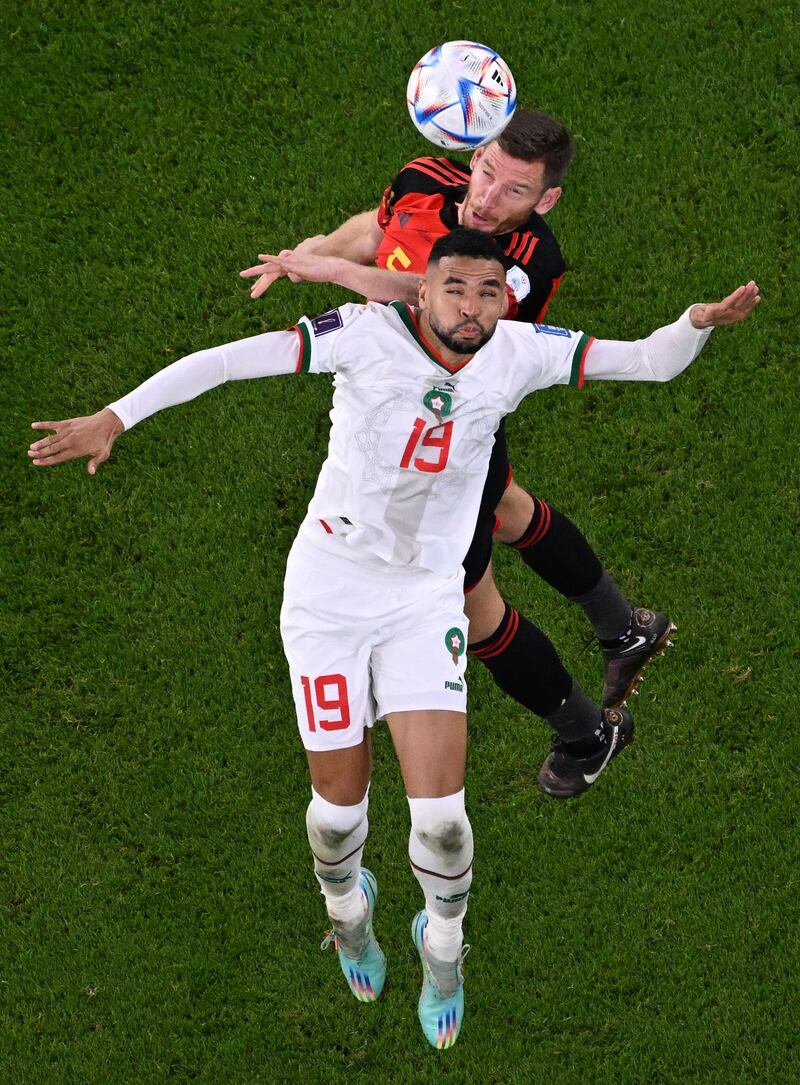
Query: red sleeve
[{"x": 385, "y": 208}]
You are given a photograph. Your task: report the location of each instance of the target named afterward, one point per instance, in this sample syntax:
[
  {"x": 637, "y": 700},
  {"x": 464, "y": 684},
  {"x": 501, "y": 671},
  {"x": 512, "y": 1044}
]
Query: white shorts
[{"x": 363, "y": 641}]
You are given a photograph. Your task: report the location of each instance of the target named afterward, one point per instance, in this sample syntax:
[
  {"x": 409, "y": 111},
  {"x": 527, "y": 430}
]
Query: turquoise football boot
[
  {"x": 441, "y": 1004},
  {"x": 366, "y": 972}
]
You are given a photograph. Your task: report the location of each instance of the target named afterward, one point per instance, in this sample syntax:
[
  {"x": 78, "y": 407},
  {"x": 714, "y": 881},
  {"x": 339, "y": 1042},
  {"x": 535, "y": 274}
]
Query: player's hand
[
  {"x": 302, "y": 266},
  {"x": 266, "y": 274},
  {"x": 731, "y": 310},
  {"x": 92, "y": 435}
]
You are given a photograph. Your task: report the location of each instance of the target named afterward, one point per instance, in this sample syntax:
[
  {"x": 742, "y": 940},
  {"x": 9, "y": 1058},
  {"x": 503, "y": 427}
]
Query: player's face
[
  {"x": 461, "y": 299},
  {"x": 503, "y": 191}
]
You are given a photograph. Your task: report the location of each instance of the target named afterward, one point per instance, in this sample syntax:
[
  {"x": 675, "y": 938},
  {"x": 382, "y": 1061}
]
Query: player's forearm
[
  {"x": 357, "y": 239},
  {"x": 270, "y": 354},
  {"x": 660, "y": 357},
  {"x": 378, "y": 284}
]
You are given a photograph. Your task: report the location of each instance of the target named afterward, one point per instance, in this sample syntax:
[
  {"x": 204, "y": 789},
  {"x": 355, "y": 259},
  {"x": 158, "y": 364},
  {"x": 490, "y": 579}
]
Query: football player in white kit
[{"x": 372, "y": 620}]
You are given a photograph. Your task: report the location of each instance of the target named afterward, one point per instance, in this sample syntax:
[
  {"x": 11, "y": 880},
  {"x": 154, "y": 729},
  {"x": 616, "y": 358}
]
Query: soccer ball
[{"x": 461, "y": 95}]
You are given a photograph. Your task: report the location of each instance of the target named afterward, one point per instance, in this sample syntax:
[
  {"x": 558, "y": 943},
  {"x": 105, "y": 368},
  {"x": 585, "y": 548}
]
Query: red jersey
[{"x": 420, "y": 206}]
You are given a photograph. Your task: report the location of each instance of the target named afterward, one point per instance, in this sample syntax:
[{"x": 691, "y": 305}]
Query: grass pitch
[{"x": 157, "y": 909}]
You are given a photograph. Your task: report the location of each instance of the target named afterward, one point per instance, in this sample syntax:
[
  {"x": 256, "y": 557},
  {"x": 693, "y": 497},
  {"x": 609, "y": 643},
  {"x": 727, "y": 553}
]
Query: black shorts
[{"x": 497, "y": 479}]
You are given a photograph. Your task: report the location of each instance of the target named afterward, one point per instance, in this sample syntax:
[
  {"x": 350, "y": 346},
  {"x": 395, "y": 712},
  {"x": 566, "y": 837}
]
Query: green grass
[{"x": 158, "y": 917}]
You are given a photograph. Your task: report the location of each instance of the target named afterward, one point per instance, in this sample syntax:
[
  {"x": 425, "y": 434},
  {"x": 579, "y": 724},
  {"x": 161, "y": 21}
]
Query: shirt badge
[{"x": 439, "y": 402}]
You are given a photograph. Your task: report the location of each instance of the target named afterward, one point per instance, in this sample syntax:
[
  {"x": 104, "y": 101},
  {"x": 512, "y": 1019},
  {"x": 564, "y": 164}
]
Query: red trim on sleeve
[
  {"x": 327, "y": 527},
  {"x": 582, "y": 362},
  {"x": 301, "y": 345}
]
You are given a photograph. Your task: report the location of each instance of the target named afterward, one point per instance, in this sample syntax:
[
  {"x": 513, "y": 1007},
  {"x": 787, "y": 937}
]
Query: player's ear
[
  {"x": 423, "y": 294},
  {"x": 548, "y": 200},
  {"x": 477, "y": 155}
]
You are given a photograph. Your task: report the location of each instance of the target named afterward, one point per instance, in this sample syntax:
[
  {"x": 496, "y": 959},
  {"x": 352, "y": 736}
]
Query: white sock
[
  {"x": 440, "y": 848},
  {"x": 444, "y": 937},
  {"x": 337, "y": 835}
]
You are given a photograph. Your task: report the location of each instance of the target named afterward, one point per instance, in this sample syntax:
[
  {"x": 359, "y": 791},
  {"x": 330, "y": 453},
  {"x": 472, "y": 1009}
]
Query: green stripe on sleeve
[
  {"x": 304, "y": 363},
  {"x": 577, "y": 357}
]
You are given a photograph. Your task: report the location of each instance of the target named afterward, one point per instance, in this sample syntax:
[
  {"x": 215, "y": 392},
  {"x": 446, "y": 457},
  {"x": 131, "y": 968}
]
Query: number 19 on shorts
[{"x": 327, "y": 702}]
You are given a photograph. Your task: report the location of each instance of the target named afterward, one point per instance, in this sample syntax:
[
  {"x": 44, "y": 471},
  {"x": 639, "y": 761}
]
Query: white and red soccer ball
[{"x": 461, "y": 95}]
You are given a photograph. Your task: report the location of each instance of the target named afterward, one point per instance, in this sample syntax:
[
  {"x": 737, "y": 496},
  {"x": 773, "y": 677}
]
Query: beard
[{"x": 461, "y": 346}]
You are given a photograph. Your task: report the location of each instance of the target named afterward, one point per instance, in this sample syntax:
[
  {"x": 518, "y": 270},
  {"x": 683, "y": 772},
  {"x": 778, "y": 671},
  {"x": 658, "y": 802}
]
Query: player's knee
[
  {"x": 445, "y": 837},
  {"x": 484, "y": 607},
  {"x": 442, "y": 826},
  {"x": 514, "y": 513},
  {"x": 330, "y": 826}
]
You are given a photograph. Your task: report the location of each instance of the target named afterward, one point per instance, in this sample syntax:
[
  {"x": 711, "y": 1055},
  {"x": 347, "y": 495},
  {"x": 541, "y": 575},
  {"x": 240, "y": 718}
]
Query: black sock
[
  {"x": 578, "y": 723},
  {"x": 618, "y": 641},
  {"x": 554, "y": 548},
  {"x": 607, "y": 609},
  {"x": 592, "y": 743},
  {"x": 524, "y": 664}
]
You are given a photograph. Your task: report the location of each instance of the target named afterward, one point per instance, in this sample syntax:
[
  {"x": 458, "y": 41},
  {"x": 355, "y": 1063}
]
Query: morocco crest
[
  {"x": 455, "y": 642},
  {"x": 439, "y": 402}
]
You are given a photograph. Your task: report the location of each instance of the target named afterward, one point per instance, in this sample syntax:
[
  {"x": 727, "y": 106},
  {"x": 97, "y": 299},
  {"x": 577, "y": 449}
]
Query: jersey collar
[
  {"x": 449, "y": 213},
  {"x": 409, "y": 318}
]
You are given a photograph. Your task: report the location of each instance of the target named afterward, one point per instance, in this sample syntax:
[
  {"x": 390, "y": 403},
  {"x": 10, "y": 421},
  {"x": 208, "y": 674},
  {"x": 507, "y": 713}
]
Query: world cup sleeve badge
[{"x": 455, "y": 642}]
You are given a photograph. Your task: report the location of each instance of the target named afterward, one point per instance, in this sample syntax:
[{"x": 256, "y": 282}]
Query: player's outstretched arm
[
  {"x": 270, "y": 354},
  {"x": 669, "y": 350},
  {"x": 379, "y": 284},
  {"x": 92, "y": 435},
  {"x": 357, "y": 239}
]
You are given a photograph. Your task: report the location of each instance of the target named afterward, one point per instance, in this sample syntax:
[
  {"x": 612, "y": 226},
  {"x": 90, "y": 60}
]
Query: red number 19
[
  {"x": 442, "y": 442},
  {"x": 337, "y": 703}
]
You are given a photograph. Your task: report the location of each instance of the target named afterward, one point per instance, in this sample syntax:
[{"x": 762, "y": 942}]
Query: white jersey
[{"x": 411, "y": 436}]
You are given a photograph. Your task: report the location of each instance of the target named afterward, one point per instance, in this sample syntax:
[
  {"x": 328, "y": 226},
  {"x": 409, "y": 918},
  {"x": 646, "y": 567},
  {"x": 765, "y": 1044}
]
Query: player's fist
[
  {"x": 92, "y": 435},
  {"x": 731, "y": 310}
]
